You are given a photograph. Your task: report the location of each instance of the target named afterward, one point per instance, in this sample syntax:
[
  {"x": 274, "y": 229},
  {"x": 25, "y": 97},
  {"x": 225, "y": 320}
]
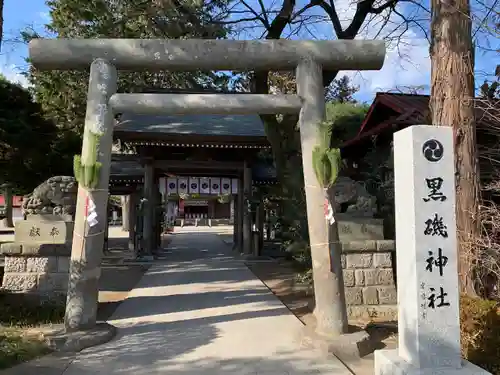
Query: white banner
[
  {"x": 172, "y": 185},
  {"x": 194, "y": 185},
  {"x": 214, "y": 185},
  {"x": 204, "y": 185},
  {"x": 182, "y": 185},
  {"x": 234, "y": 186},
  {"x": 225, "y": 186}
]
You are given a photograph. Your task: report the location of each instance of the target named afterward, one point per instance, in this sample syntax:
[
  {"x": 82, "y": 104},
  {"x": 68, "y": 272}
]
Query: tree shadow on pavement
[
  {"x": 193, "y": 273},
  {"x": 175, "y": 348},
  {"x": 144, "y": 306},
  {"x": 182, "y": 348}
]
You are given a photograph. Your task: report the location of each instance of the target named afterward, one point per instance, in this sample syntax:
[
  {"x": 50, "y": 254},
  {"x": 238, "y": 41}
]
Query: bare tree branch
[
  {"x": 390, "y": 4},
  {"x": 264, "y": 13}
]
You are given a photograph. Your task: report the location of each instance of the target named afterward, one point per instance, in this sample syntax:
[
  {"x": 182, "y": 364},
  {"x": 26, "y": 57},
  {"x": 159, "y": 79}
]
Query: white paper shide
[
  {"x": 91, "y": 213},
  {"x": 330, "y": 218}
]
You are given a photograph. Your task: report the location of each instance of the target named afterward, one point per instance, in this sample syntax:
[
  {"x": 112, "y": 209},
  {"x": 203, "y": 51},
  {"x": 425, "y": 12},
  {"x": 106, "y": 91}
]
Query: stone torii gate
[{"x": 106, "y": 56}]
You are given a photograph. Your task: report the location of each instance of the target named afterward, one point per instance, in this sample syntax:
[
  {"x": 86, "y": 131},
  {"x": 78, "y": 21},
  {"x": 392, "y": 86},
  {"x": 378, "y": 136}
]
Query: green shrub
[
  {"x": 16, "y": 348},
  {"x": 17, "y": 310},
  {"x": 480, "y": 332}
]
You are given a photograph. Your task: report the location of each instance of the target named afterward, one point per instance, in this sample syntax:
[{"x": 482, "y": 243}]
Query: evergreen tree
[
  {"x": 27, "y": 144},
  {"x": 341, "y": 90},
  {"x": 26, "y": 139},
  {"x": 346, "y": 118},
  {"x": 491, "y": 90},
  {"x": 63, "y": 94}
]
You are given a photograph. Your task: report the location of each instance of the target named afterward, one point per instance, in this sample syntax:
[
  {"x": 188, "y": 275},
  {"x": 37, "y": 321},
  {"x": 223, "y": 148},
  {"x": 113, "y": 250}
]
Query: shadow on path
[{"x": 202, "y": 311}]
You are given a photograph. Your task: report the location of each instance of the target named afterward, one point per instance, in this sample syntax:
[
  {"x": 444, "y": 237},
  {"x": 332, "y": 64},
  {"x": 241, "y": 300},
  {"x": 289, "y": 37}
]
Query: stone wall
[
  {"x": 369, "y": 279},
  {"x": 37, "y": 270}
]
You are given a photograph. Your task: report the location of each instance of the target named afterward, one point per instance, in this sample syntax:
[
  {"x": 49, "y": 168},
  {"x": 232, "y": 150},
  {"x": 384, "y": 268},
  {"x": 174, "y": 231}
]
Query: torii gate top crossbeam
[{"x": 196, "y": 54}]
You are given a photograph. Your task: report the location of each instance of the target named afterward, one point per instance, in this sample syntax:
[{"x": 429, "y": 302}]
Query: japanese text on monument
[{"x": 435, "y": 296}]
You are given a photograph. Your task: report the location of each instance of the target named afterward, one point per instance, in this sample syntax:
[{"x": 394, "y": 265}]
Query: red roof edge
[
  {"x": 386, "y": 98},
  {"x": 376, "y": 130},
  {"x": 398, "y": 121},
  {"x": 368, "y": 115}
]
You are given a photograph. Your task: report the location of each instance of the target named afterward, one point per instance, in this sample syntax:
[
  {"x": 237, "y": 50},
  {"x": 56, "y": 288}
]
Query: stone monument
[
  {"x": 355, "y": 209},
  {"x": 428, "y": 293},
  {"x": 367, "y": 258},
  {"x": 37, "y": 262}
]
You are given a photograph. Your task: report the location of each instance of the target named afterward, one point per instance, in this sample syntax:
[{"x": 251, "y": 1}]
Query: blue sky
[
  {"x": 406, "y": 65},
  {"x": 19, "y": 14}
]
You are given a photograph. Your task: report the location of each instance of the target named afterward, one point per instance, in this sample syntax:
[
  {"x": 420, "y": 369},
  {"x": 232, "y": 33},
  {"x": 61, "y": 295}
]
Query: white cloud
[
  {"x": 14, "y": 74},
  {"x": 406, "y": 65},
  {"x": 407, "y": 62},
  {"x": 44, "y": 16}
]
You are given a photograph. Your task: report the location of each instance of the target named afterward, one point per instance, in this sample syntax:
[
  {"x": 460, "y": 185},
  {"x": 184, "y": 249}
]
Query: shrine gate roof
[
  {"x": 133, "y": 171},
  {"x": 200, "y": 125}
]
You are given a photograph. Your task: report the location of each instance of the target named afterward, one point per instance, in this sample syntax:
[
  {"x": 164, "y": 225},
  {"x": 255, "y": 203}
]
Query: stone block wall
[
  {"x": 369, "y": 280},
  {"x": 39, "y": 271}
]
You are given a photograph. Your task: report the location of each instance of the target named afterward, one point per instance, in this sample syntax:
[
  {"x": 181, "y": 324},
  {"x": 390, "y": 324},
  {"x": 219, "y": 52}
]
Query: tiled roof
[
  {"x": 218, "y": 125},
  {"x": 207, "y": 125},
  {"x": 409, "y": 109},
  {"x": 403, "y": 102},
  {"x": 400, "y": 103}
]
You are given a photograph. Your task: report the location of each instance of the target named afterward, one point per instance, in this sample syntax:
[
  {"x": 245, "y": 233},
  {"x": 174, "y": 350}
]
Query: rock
[
  {"x": 56, "y": 196},
  {"x": 353, "y": 194},
  {"x": 344, "y": 190}
]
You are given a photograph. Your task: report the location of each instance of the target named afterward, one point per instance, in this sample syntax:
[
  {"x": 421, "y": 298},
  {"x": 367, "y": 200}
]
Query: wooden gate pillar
[
  {"x": 148, "y": 210},
  {"x": 247, "y": 213}
]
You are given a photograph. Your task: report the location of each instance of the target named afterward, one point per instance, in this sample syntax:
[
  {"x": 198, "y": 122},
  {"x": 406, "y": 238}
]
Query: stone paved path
[{"x": 201, "y": 311}]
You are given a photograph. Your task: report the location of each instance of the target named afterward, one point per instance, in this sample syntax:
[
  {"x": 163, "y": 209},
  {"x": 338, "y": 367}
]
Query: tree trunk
[
  {"x": 8, "y": 221},
  {"x": 452, "y": 104}
]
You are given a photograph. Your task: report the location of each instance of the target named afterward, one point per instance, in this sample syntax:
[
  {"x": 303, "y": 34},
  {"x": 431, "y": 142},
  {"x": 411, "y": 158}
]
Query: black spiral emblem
[
  {"x": 204, "y": 186},
  {"x": 433, "y": 150}
]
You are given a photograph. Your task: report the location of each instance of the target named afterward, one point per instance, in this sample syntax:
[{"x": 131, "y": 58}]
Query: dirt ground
[
  {"x": 279, "y": 276},
  {"x": 118, "y": 276}
]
